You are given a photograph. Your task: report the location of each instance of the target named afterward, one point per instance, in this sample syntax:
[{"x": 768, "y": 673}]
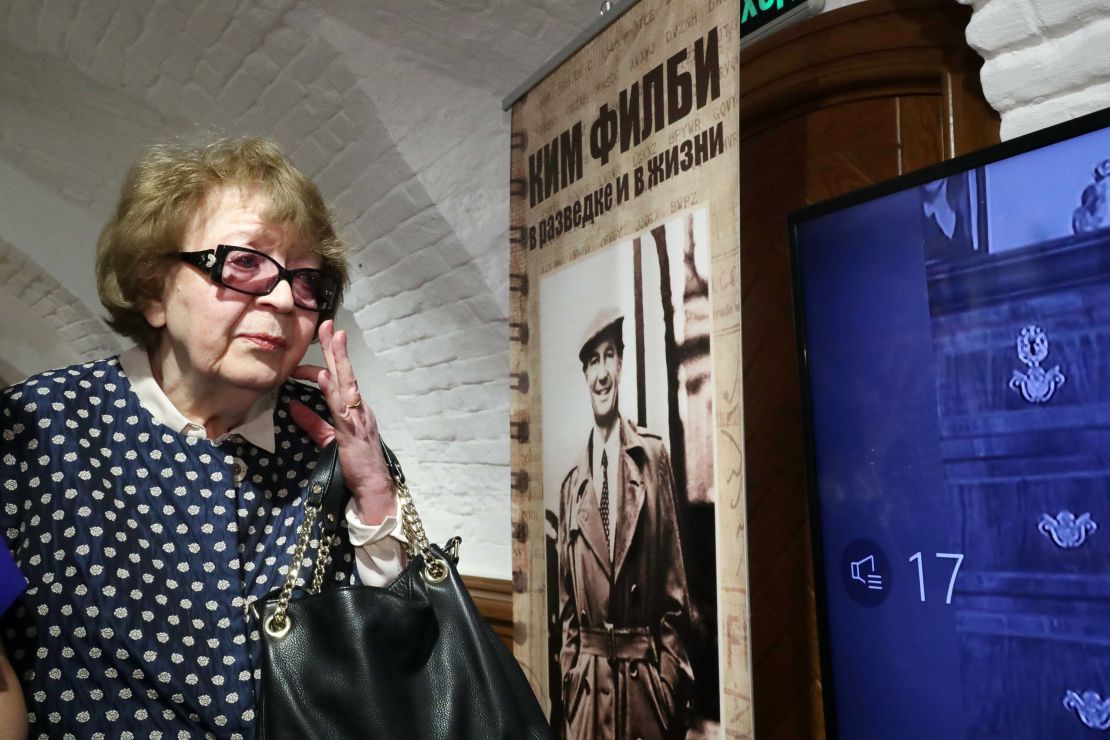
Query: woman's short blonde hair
[{"x": 166, "y": 186}]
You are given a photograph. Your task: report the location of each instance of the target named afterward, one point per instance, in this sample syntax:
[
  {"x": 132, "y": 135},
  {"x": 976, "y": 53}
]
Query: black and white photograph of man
[{"x": 627, "y": 389}]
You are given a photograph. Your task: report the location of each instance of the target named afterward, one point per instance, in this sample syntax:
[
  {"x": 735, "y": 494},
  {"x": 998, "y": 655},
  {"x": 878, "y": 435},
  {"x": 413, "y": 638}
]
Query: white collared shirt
[
  {"x": 378, "y": 552},
  {"x": 612, "y": 449}
]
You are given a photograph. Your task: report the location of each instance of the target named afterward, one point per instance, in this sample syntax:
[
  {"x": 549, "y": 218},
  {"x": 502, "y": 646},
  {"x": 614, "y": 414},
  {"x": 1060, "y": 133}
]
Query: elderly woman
[{"x": 150, "y": 498}]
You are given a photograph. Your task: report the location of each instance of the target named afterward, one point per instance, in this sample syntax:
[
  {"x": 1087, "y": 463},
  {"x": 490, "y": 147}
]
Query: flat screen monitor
[{"x": 954, "y": 332}]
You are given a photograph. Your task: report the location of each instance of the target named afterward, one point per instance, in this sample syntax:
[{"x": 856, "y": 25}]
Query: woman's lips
[{"x": 267, "y": 342}]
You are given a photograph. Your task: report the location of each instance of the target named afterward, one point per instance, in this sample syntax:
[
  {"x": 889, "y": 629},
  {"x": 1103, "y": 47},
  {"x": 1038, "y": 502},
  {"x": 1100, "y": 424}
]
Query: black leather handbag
[{"x": 412, "y": 660}]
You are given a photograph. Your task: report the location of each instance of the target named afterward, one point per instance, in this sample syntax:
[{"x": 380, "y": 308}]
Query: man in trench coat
[{"x": 623, "y": 602}]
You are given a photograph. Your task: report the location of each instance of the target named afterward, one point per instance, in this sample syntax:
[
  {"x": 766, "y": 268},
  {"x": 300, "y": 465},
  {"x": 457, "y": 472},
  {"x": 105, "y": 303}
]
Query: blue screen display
[{"x": 957, "y": 359}]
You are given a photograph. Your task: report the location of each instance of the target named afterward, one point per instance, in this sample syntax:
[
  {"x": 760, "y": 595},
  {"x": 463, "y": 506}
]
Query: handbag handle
[
  {"x": 326, "y": 491},
  {"x": 416, "y": 541}
]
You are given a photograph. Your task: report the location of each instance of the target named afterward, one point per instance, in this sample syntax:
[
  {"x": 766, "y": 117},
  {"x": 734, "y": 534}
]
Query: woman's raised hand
[{"x": 353, "y": 427}]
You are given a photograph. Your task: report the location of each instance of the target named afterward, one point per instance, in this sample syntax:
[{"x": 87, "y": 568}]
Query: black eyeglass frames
[{"x": 251, "y": 272}]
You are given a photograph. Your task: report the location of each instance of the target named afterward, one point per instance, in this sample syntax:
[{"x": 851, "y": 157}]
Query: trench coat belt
[{"x": 623, "y": 643}]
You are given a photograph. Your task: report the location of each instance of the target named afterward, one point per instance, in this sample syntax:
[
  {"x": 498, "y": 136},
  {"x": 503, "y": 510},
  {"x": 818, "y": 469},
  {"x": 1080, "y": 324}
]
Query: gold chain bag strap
[
  {"x": 413, "y": 659},
  {"x": 326, "y": 492},
  {"x": 416, "y": 541}
]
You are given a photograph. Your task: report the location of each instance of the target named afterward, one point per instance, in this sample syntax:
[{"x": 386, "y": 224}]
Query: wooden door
[{"x": 850, "y": 98}]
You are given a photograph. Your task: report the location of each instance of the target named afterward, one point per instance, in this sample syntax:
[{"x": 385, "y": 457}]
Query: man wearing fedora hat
[{"x": 623, "y": 601}]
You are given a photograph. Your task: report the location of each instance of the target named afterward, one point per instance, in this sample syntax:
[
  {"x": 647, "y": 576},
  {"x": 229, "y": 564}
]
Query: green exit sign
[{"x": 769, "y": 15}]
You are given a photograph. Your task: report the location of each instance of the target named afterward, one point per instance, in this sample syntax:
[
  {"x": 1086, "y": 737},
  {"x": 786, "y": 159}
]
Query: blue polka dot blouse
[{"x": 143, "y": 549}]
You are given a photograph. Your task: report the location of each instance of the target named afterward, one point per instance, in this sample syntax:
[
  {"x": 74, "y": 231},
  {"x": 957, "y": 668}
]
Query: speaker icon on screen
[{"x": 865, "y": 572}]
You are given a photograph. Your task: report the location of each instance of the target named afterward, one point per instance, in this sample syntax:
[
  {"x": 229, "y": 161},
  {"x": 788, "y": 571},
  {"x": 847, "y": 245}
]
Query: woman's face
[{"x": 215, "y": 336}]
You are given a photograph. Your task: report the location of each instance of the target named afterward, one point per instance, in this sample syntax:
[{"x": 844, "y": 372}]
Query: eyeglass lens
[{"x": 257, "y": 274}]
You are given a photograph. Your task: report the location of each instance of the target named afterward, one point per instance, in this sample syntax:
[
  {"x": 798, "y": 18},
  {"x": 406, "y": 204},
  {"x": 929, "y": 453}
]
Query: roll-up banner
[{"x": 629, "y": 547}]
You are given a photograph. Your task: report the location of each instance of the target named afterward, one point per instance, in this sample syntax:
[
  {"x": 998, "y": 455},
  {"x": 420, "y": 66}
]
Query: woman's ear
[{"x": 154, "y": 311}]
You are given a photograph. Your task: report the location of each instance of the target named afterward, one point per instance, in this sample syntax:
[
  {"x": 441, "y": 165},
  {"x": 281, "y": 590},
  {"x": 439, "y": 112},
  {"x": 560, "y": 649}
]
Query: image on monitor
[{"x": 955, "y": 335}]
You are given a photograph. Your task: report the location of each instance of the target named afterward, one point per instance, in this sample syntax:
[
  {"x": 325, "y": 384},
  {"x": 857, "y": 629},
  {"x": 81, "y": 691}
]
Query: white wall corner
[{"x": 1044, "y": 60}]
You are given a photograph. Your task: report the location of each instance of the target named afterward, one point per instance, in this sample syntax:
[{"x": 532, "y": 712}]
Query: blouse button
[{"x": 240, "y": 469}]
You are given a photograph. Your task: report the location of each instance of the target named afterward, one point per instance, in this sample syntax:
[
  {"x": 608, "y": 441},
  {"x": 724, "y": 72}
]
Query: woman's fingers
[
  {"x": 335, "y": 383},
  {"x": 311, "y": 373},
  {"x": 318, "y": 430},
  {"x": 353, "y": 425},
  {"x": 343, "y": 392},
  {"x": 338, "y": 383},
  {"x": 327, "y": 334},
  {"x": 321, "y": 376},
  {"x": 344, "y": 373}
]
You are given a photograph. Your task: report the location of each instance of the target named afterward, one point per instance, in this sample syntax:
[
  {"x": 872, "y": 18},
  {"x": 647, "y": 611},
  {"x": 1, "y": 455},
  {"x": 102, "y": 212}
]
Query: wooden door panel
[{"x": 923, "y": 141}]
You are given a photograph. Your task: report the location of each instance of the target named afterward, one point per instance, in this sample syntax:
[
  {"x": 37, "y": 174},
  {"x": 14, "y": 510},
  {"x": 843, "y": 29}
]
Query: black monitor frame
[{"x": 1011, "y": 148}]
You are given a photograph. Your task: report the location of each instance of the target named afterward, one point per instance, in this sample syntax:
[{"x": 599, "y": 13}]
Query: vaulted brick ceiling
[{"x": 392, "y": 107}]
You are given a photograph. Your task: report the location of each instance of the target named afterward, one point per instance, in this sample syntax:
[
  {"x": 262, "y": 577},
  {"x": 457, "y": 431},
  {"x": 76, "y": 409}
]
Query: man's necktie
[{"x": 605, "y": 494}]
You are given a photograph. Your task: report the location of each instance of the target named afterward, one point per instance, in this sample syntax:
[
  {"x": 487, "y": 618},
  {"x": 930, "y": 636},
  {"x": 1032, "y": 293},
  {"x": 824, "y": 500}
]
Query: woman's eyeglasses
[{"x": 254, "y": 273}]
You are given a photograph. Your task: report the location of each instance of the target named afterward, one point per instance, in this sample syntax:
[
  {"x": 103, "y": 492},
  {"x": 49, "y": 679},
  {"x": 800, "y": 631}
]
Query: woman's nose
[{"x": 281, "y": 297}]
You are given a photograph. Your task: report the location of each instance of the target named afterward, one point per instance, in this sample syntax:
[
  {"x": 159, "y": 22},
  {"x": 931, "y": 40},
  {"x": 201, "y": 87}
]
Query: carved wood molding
[{"x": 867, "y": 50}]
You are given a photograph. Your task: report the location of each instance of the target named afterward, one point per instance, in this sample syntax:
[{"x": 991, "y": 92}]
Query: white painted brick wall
[
  {"x": 37, "y": 306},
  {"x": 1045, "y": 61}
]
